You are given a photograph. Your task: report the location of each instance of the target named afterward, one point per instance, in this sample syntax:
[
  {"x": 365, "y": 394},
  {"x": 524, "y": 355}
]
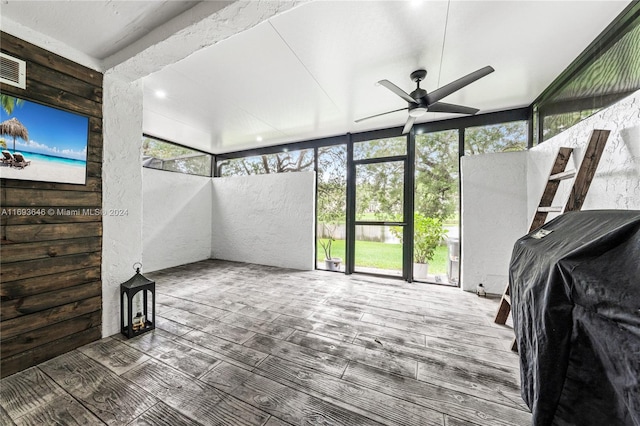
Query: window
[
  {"x": 436, "y": 206},
  {"x": 501, "y": 137},
  {"x": 163, "y": 155},
  {"x": 388, "y": 147},
  {"x": 331, "y": 198},
  {"x": 282, "y": 162},
  {"x": 436, "y": 175}
]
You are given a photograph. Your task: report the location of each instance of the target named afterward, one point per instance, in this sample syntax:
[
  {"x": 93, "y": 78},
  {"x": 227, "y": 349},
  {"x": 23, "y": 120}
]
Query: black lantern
[{"x": 135, "y": 321}]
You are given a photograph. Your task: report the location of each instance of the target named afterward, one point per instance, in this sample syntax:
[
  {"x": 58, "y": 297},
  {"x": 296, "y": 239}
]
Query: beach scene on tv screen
[{"x": 42, "y": 143}]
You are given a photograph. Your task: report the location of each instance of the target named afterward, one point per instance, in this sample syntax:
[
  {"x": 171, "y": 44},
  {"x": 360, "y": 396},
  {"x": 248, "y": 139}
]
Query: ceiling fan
[{"x": 420, "y": 101}]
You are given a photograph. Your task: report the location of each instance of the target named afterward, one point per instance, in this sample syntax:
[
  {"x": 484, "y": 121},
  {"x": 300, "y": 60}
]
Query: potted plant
[
  {"x": 427, "y": 235},
  {"x": 331, "y": 263}
]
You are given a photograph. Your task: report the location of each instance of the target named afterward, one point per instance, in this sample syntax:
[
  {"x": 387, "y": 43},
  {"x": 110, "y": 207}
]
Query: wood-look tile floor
[{"x": 240, "y": 344}]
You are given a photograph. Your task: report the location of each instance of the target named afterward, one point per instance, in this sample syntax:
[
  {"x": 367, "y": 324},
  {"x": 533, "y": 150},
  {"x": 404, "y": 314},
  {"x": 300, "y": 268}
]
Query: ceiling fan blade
[
  {"x": 408, "y": 125},
  {"x": 458, "y": 84},
  {"x": 378, "y": 115},
  {"x": 398, "y": 91},
  {"x": 456, "y": 109}
]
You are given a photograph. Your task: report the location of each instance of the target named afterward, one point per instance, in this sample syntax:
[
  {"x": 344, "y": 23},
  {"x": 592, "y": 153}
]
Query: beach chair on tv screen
[
  {"x": 20, "y": 161},
  {"x": 7, "y": 158}
]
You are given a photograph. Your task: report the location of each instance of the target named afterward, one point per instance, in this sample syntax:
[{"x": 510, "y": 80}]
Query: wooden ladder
[{"x": 578, "y": 193}]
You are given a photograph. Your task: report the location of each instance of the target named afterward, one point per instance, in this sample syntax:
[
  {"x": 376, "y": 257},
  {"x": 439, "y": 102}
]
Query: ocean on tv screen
[{"x": 52, "y": 159}]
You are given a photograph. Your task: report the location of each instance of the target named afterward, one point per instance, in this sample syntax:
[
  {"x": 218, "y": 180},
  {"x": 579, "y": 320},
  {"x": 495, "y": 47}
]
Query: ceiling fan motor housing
[
  {"x": 420, "y": 95},
  {"x": 420, "y": 106},
  {"x": 418, "y": 75}
]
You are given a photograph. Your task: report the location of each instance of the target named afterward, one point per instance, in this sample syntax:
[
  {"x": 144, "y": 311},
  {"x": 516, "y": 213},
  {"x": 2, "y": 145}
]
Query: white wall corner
[
  {"x": 265, "y": 219},
  {"x": 121, "y": 189},
  {"x": 500, "y": 192},
  {"x": 616, "y": 183}
]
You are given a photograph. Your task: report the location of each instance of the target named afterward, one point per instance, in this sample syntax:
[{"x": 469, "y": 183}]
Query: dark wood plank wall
[{"x": 50, "y": 285}]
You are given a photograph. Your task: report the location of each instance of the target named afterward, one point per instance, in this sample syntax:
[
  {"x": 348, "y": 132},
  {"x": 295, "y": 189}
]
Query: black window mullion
[
  {"x": 380, "y": 160},
  {"x": 351, "y": 210},
  {"x": 409, "y": 189},
  {"x": 379, "y": 223},
  {"x": 530, "y": 129},
  {"x": 315, "y": 233},
  {"x": 461, "y": 136}
]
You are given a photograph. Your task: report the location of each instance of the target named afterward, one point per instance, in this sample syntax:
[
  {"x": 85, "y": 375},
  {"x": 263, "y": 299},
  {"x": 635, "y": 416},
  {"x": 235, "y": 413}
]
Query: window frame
[{"x": 212, "y": 159}]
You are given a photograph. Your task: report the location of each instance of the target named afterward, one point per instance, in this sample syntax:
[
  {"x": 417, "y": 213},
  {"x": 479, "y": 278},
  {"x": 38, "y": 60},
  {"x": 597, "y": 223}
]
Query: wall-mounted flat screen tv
[{"x": 42, "y": 143}]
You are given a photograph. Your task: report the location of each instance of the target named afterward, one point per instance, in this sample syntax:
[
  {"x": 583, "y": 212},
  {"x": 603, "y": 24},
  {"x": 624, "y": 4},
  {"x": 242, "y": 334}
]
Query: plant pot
[
  {"x": 333, "y": 264},
  {"x": 420, "y": 270}
]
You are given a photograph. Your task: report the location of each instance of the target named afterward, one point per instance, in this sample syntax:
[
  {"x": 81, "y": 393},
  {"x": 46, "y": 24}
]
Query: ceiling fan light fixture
[
  {"x": 417, "y": 112},
  {"x": 419, "y": 101}
]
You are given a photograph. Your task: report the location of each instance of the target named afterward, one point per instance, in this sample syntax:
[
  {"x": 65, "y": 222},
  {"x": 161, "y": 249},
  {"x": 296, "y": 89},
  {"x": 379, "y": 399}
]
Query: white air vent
[{"x": 13, "y": 71}]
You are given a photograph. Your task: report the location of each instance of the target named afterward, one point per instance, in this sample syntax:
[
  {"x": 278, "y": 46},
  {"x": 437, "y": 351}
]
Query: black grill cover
[{"x": 576, "y": 313}]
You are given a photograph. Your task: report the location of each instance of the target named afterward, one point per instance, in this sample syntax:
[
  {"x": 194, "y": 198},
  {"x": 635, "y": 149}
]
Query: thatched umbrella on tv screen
[{"x": 14, "y": 128}]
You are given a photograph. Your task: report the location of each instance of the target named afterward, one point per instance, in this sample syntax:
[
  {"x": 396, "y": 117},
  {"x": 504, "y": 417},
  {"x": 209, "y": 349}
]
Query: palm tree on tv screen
[
  {"x": 12, "y": 127},
  {"x": 15, "y": 129},
  {"x": 9, "y": 103}
]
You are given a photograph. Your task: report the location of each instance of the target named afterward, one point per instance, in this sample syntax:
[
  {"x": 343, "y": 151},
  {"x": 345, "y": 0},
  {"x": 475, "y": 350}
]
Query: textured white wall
[
  {"x": 176, "y": 227},
  {"x": 494, "y": 216},
  {"x": 500, "y": 192},
  {"x": 616, "y": 184},
  {"x": 265, "y": 219},
  {"x": 121, "y": 189}
]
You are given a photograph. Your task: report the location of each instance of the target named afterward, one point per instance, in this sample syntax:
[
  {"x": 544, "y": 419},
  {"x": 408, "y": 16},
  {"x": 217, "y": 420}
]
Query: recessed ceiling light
[
  {"x": 259, "y": 138},
  {"x": 161, "y": 94}
]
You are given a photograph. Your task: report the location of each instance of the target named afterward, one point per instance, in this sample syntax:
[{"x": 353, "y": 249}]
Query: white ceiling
[
  {"x": 311, "y": 71},
  {"x": 97, "y": 28}
]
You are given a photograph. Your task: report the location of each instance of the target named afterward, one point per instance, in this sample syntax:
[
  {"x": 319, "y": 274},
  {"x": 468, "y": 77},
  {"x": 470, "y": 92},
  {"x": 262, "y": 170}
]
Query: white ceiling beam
[{"x": 236, "y": 17}]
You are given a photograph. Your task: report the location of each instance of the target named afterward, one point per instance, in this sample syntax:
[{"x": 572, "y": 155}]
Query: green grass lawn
[{"x": 384, "y": 256}]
